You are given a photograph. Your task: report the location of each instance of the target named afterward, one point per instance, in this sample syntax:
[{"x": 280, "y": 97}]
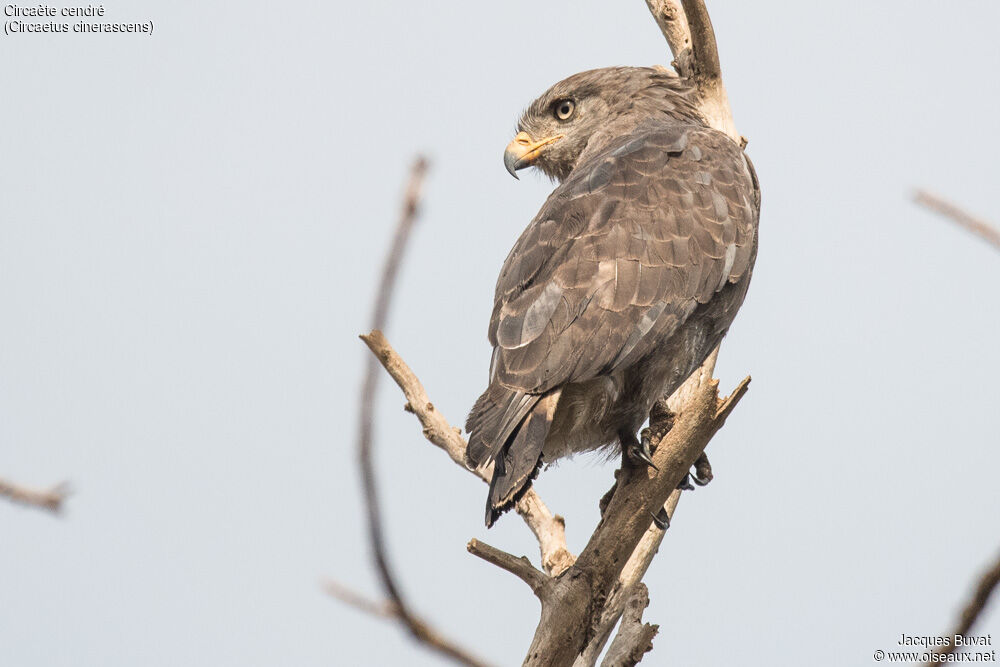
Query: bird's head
[{"x": 580, "y": 114}]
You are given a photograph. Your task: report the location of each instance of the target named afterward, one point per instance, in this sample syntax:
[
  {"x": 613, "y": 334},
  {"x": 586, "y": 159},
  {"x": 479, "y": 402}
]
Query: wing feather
[{"x": 620, "y": 255}]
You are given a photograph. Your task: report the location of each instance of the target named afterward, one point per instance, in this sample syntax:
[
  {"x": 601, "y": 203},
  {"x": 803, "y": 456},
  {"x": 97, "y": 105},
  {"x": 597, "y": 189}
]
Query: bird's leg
[{"x": 636, "y": 452}]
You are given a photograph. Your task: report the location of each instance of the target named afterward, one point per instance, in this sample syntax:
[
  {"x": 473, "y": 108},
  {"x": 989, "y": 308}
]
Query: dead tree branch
[
  {"x": 47, "y": 499},
  {"x": 973, "y": 608},
  {"x": 571, "y": 604},
  {"x": 634, "y": 638},
  {"x": 640, "y": 560},
  {"x": 418, "y": 628},
  {"x": 991, "y": 578},
  {"x": 408, "y": 216},
  {"x": 670, "y": 16},
  {"x": 519, "y": 567},
  {"x": 549, "y": 529},
  {"x": 688, "y": 31},
  {"x": 383, "y": 609},
  {"x": 977, "y": 226},
  {"x": 632, "y": 574}
]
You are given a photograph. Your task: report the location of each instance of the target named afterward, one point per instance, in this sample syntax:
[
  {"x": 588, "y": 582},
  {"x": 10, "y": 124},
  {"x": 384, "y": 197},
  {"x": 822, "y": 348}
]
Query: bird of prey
[{"x": 625, "y": 280}]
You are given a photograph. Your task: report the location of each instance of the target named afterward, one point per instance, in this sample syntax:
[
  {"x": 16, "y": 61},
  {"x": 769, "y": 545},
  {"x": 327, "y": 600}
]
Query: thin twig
[
  {"x": 519, "y": 567},
  {"x": 973, "y": 608},
  {"x": 366, "y": 418},
  {"x": 367, "y": 408},
  {"x": 408, "y": 216},
  {"x": 383, "y": 609},
  {"x": 977, "y": 226},
  {"x": 47, "y": 499}
]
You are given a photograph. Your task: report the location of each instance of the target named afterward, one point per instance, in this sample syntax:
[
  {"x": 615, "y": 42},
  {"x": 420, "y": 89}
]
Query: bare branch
[
  {"x": 634, "y": 638},
  {"x": 408, "y": 216},
  {"x": 383, "y": 609},
  {"x": 47, "y": 499},
  {"x": 979, "y": 227},
  {"x": 695, "y": 384},
  {"x": 633, "y": 573},
  {"x": 669, "y": 15},
  {"x": 366, "y": 413},
  {"x": 727, "y": 406},
  {"x": 706, "y": 51},
  {"x": 567, "y": 615},
  {"x": 973, "y": 608},
  {"x": 436, "y": 427},
  {"x": 640, "y": 560},
  {"x": 549, "y": 529},
  {"x": 519, "y": 567},
  {"x": 689, "y": 33},
  {"x": 420, "y": 630}
]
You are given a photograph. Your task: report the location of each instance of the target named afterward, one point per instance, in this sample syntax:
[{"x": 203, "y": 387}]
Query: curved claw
[
  {"x": 700, "y": 481},
  {"x": 638, "y": 453},
  {"x": 661, "y": 519},
  {"x": 702, "y": 470},
  {"x": 685, "y": 483},
  {"x": 637, "y": 456}
]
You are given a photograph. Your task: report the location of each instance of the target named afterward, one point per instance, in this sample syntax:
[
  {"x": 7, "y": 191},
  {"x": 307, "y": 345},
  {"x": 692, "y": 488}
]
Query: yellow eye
[{"x": 564, "y": 109}]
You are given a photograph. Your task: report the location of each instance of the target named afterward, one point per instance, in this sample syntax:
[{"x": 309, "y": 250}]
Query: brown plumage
[{"x": 630, "y": 274}]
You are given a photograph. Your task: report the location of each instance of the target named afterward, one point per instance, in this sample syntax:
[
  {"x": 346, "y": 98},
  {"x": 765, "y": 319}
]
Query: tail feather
[
  {"x": 494, "y": 417},
  {"x": 509, "y": 428},
  {"x": 518, "y": 464}
]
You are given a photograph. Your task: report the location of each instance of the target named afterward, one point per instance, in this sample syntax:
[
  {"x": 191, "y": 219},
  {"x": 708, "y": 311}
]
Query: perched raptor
[{"x": 624, "y": 282}]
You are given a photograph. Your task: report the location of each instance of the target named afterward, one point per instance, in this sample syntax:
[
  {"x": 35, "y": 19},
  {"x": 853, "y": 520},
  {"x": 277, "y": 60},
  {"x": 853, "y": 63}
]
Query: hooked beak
[{"x": 523, "y": 151}]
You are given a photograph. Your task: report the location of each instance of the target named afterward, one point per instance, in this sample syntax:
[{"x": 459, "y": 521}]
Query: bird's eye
[{"x": 564, "y": 109}]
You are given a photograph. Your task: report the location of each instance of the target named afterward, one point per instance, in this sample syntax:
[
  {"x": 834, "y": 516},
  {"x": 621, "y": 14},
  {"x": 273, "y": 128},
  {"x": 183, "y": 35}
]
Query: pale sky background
[{"x": 192, "y": 226}]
